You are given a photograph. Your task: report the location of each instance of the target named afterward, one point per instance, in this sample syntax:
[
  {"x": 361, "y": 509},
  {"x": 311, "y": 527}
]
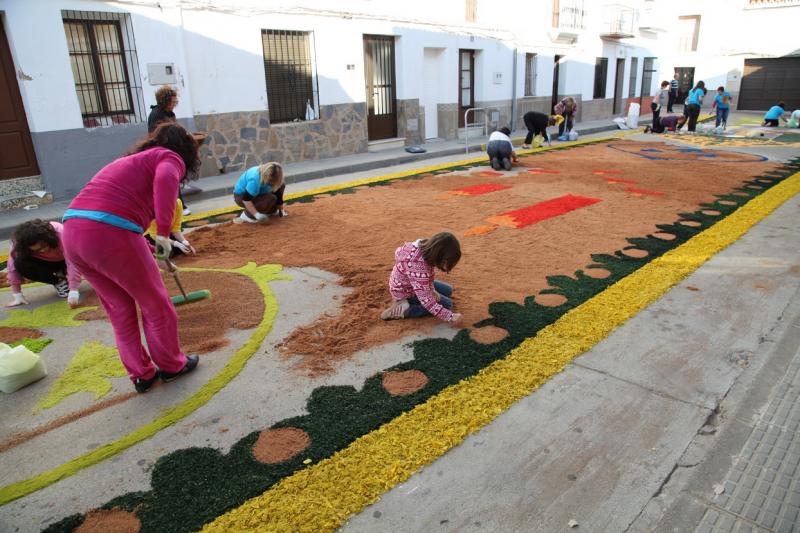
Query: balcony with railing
[
  {"x": 568, "y": 20},
  {"x": 619, "y": 22}
]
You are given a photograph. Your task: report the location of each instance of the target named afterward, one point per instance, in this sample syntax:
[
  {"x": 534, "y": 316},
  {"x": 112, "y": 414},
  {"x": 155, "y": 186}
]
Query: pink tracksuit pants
[{"x": 120, "y": 267}]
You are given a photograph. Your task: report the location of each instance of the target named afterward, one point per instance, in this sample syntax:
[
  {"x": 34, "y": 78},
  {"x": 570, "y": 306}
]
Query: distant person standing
[
  {"x": 673, "y": 92},
  {"x": 722, "y": 101},
  {"x": 567, "y": 108},
  {"x": 661, "y": 99},
  {"x": 694, "y": 102},
  {"x": 163, "y": 111}
]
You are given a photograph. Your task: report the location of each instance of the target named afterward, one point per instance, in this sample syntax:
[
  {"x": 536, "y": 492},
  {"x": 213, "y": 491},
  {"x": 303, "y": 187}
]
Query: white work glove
[
  {"x": 261, "y": 217},
  {"x": 73, "y": 298},
  {"x": 163, "y": 247},
  {"x": 18, "y": 299},
  {"x": 184, "y": 247}
]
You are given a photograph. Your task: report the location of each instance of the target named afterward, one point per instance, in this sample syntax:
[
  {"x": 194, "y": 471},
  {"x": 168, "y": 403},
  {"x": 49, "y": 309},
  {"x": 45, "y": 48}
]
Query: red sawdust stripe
[
  {"x": 481, "y": 188},
  {"x": 648, "y": 192},
  {"x": 542, "y": 211},
  {"x": 621, "y": 180},
  {"x": 25, "y": 436}
]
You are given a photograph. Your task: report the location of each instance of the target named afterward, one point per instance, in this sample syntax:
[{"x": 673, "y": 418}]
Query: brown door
[
  {"x": 768, "y": 81},
  {"x": 619, "y": 80},
  {"x": 466, "y": 83},
  {"x": 17, "y": 158},
  {"x": 379, "y": 74}
]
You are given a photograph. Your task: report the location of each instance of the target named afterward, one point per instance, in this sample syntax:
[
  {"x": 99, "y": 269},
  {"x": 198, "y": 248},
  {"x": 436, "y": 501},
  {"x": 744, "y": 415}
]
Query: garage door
[{"x": 768, "y": 81}]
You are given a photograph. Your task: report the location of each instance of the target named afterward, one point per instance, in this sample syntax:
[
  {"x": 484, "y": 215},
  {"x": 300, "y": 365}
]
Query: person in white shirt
[{"x": 500, "y": 150}]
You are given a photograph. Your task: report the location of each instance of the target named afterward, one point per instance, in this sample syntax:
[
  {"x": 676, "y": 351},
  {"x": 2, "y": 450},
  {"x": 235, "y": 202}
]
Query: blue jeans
[
  {"x": 417, "y": 310},
  {"x": 722, "y": 115}
]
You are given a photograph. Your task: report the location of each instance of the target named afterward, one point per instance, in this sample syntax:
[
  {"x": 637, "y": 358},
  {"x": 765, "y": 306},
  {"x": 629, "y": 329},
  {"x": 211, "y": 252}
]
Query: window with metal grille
[
  {"x": 102, "y": 53},
  {"x": 471, "y": 10},
  {"x": 290, "y": 76},
  {"x": 530, "y": 74},
  {"x": 647, "y": 75},
  {"x": 600, "y": 75},
  {"x": 632, "y": 79}
]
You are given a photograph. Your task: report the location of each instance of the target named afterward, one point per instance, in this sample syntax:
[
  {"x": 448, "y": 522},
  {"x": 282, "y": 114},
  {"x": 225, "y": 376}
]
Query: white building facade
[{"x": 316, "y": 80}]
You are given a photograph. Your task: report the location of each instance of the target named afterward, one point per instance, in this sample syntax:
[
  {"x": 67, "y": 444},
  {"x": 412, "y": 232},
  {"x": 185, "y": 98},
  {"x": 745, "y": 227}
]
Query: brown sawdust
[
  {"x": 9, "y": 335},
  {"x": 107, "y": 520},
  {"x": 278, "y": 445},
  {"x": 488, "y": 334},
  {"x": 402, "y": 383},
  {"x": 236, "y": 303},
  {"x": 355, "y": 235}
]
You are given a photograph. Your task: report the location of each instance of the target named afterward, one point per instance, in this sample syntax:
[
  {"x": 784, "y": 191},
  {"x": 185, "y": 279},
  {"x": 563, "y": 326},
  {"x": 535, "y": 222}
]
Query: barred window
[
  {"x": 290, "y": 76},
  {"x": 632, "y": 79},
  {"x": 647, "y": 75},
  {"x": 530, "y": 74},
  {"x": 105, "y": 67}
]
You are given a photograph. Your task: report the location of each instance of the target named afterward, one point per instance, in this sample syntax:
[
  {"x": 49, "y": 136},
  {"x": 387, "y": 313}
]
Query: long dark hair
[
  {"x": 33, "y": 232},
  {"x": 173, "y": 136}
]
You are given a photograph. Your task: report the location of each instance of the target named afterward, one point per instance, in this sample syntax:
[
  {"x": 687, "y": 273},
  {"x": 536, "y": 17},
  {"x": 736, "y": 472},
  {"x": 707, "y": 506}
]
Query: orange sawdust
[
  {"x": 278, "y": 445},
  {"x": 402, "y": 383}
]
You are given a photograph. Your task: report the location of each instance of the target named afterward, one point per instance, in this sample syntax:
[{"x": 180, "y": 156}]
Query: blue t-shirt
[
  {"x": 775, "y": 112},
  {"x": 695, "y": 96},
  {"x": 250, "y": 183},
  {"x": 723, "y": 100}
]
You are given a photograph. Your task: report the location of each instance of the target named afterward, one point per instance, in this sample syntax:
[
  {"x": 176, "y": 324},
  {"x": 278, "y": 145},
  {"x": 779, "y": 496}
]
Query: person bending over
[
  {"x": 537, "y": 124},
  {"x": 500, "y": 150},
  {"x": 259, "y": 191}
]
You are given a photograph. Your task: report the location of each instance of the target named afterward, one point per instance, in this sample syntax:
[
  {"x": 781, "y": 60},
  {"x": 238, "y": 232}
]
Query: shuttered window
[
  {"x": 103, "y": 61},
  {"x": 289, "y": 72}
]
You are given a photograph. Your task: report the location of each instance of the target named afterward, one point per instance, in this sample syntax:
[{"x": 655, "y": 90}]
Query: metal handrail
[{"x": 466, "y": 125}]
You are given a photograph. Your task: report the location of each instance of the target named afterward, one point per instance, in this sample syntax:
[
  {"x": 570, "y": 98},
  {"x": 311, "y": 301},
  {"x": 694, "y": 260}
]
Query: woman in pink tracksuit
[{"x": 103, "y": 238}]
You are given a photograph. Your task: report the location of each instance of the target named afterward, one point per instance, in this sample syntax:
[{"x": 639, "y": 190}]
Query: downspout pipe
[{"x": 514, "y": 92}]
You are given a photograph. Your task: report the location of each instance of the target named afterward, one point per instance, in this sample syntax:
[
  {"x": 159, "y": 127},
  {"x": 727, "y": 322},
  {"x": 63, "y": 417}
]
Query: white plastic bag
[
  {"x": 619, "y": 121},
  {"x": 572, "y": 135},
  {"x": 310, "y": 113},
  {"x": 633, "y": 116},
  {"x": 19, "y": 367}
]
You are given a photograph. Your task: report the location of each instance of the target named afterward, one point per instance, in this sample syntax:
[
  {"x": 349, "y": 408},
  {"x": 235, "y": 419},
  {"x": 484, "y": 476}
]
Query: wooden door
[
  {"x": 17, "y": 158},
  {"x": 380, "y": 82},
  {"x": 619, "y": 80},
  {"x": 466, "y": 83}
]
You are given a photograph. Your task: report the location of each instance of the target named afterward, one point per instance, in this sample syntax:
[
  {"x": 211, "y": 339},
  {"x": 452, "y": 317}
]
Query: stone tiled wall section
[
  {"x": 542, "y": 104},
  {"x": 410, "y": 123},
  {"x": 596, "y": 109},
  {"x": 240, "y": 140},
  {"x": 501, "y": 107},
  {"x": 447, "y": 115}
]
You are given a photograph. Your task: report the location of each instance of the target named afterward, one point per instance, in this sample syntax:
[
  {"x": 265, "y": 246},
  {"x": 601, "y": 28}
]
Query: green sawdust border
[{"x": 191, "y": 487}]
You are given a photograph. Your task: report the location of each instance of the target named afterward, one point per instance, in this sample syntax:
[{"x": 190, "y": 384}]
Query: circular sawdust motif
[
  {"x": 597, "y": 273},
  {"x": 727, "y": 202},
  {"x": 9, "y": 335},
  {"x": 279, "y": 445},
  {"x": 550, "y": 300},
  {"x": 402, "y": 383},
  {"x": 636, "y": 253},
  {"x": 664, "y": 236},
  {"x": 105, "y": 520},
  {"x": 488, "y": 334},
  {"x": 690, "y": 223},
  {"x": 711, "y": 212},
  {"x": 741, "y": 193}
]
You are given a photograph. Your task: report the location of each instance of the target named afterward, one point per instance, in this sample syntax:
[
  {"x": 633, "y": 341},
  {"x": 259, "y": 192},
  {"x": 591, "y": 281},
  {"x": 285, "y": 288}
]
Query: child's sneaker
[
  {"x": 62, "y": 288},
  {"x": 396, "y": 311},
  {"x": 187, "y": 211},
  {"x": 244, "y": 218},
  {"x": 191, "y": 364},
  {"x": 506, "y": 163}
]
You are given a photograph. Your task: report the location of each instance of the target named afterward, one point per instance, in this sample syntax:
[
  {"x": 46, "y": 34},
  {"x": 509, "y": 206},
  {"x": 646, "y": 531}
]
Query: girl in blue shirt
[
  {"x": 260, "y": 192},
  {"x": 722, "y": 101},
  {"x": 775, "y": 115},
  {"x": 693, "y": 102}
]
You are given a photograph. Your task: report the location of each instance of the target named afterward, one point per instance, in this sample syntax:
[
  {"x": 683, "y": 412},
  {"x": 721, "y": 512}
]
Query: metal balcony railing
[
  {"x": 568, "y": 14},
  {"x": 620, "y": 21}
]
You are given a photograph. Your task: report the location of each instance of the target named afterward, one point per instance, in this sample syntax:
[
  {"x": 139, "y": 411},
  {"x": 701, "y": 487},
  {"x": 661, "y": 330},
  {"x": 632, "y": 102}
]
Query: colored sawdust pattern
[
  {"x": 262, "y": 275},
  {"x": 533, "y": 214},
  {"x": 711, "y": 141},
  {"x": 363, "y": 262},
  {"x": 34, "y": 345},
  {"x": 55, "y": 315},
  {"x": 620, "y": 180},
  {"x": 481, "y": 188},
  {"x": 543, "y": 171},
  {"x": 9, "y": 335},
  {"x": 89, "y": 371},
  {"x": 643, "y": 192},
  {"x": 337, "y": 414}
]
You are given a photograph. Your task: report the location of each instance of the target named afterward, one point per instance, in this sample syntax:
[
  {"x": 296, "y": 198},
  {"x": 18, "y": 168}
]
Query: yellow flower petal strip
[
  {"x": 322, "y": 496},
  {"x": 261, "y": 275}
]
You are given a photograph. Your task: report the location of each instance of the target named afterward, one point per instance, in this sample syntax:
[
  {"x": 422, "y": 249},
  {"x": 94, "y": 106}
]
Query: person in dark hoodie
[{"x": 163, "y": 111}]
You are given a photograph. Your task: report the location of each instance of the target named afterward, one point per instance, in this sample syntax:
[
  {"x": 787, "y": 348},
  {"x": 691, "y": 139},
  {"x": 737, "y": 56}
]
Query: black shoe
[
  {"x": 506, "y": 163},
  {"x": 495, "y": 163},
  {"x": 191, "y": 364},
  {"x": 143, "y": 385}
]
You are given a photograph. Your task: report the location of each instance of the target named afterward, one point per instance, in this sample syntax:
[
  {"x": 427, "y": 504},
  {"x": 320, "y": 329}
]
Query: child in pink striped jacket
[{"x": 412, "y": 285}]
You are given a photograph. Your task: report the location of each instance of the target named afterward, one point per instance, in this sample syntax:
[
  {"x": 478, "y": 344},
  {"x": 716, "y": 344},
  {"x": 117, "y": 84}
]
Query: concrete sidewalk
[{"x": 216, "y": 187}]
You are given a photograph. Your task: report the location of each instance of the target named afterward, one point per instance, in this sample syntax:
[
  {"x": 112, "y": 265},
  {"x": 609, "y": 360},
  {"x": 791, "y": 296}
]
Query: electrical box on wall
[
  {"x": 497, "y": 78},
  {"x": 161, "y": 73}
]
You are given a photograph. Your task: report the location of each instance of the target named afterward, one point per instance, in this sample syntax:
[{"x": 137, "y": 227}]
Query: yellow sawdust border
[{"x": 322, "y": 497}]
